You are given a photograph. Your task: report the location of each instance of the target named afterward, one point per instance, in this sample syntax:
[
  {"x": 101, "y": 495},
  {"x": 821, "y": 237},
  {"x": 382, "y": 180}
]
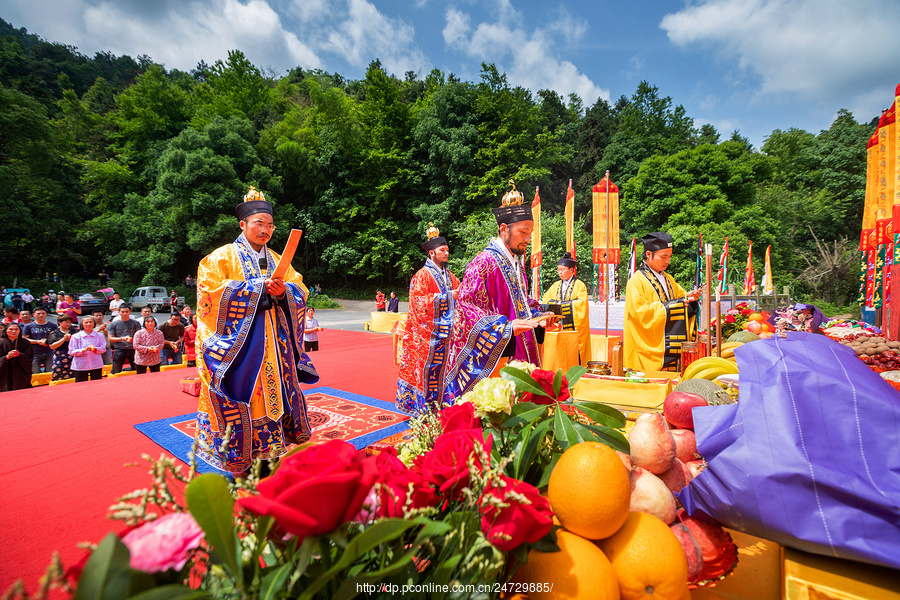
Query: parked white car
[{"x": 156, "y": 297}]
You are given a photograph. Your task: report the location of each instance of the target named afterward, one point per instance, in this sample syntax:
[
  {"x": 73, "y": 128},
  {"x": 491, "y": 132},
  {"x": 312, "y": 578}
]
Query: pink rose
[
  {"x": 447, "y": 464},
  {"x": 527, "y": 517},
  {"x": 459, "y": 416},
  {"x": 400, "y": 485},
  {"x": 545, "y": 380},
  {"x": 315, "y": 490},
  {"x": 163, "y": 544}
]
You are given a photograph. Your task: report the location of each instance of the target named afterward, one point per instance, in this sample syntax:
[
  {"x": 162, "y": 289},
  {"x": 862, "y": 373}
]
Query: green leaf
[
  {"x": 263, "y": 525},
  {"x": 273, "y": 582},
  {"x": 524, "y": 382},
  {"x": 172, "y": 592},
  {"x": 557, "y": 382},
  {"x": 606, "y": 435},
  {"x": 530, "y": 450},
  {"x": 545, "y": 478},
  {"x": 444, "y": 572},
  {"x": 525, "y": 412},
  {"x": 381, "y": 532},
  {"x": 109, "y": 561},
  {"x": 574, "y": 374},
  {"x": 548, "y": 542},
  {"x": 601, "y": 413},
  {"x": 212, "y": 506},
  {"x": 566, "y": 435}
]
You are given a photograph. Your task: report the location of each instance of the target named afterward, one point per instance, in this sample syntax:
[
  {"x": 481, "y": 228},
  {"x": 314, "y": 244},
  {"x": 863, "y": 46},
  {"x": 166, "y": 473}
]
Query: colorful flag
[
  {"x": 699, "y": 267},
  {"x": 570, "y": 220},
  {"x": 632, "y": 262},
  {"x": 749, "y": 275},
  {"x": 537, "y": 257},
  {"x": 767, "y": 284},
  {"x": 723, "y": 270}
]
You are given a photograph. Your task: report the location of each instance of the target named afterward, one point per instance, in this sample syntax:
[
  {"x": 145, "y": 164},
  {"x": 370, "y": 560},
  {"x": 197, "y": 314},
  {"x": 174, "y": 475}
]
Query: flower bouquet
[{"x": 448, "y": 516}]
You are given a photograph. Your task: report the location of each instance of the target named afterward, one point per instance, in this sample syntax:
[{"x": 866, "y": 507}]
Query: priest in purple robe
[{"x": 495, "y": 318}]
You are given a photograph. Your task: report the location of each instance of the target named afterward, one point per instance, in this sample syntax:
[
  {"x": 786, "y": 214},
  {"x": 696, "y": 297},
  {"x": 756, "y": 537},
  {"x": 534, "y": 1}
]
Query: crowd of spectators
[{"x": 78, "y": 345}]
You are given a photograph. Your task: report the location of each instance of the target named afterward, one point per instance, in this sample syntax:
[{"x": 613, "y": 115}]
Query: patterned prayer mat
[{"x": 333, "y": 414}]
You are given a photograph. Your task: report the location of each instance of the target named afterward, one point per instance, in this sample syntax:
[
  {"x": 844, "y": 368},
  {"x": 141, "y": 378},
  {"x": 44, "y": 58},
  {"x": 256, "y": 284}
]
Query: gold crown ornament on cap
[
  {"x": 433, "y": 238},
  {"x": 253, "y": 194},
  {"x": 513, "y": 197},
  {"x": 254, "y": 202}
]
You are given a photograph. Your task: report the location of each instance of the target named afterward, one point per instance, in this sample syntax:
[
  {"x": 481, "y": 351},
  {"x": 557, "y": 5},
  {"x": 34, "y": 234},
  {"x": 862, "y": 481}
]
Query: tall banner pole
[
  {"x": 606, "y": 259},
  {"x": 707, "y": 299}
]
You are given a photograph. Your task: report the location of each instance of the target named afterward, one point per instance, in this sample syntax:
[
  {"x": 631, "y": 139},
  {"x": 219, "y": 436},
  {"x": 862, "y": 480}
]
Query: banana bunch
[
  {"x": 728, "y": 350},
  {"x": 709, "y": 367}
]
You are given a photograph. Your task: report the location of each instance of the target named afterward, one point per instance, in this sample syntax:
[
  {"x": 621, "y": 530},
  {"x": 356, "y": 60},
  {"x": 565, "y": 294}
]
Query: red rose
[
  {"x": 315, "y": 490},
  {"x": 545, "y": 380},
  {"x": 447, "y": 464},
  {"x": 729, "y": 319},
  {"x": 459, "y": 417},
  {"x": 521, "y": 520},
  {"x": 746, "y": 312},
  {"x": 400, "y": 484}
]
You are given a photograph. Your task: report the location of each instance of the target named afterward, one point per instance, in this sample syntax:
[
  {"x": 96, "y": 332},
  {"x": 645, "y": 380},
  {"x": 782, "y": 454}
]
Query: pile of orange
[{"x": 606, "y": 551}]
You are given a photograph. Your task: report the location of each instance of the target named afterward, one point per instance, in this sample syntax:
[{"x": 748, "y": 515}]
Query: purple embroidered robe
[{"x": 493, "y": 292}]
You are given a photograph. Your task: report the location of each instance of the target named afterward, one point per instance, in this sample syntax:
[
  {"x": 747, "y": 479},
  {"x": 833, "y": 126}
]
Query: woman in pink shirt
[
  {"x": 147, "y": 344},
  {"x": 86, "y": 349}
]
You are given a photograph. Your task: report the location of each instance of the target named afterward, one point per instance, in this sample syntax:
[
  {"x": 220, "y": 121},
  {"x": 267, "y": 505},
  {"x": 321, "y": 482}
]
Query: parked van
[{"x": 156, "y": 297}]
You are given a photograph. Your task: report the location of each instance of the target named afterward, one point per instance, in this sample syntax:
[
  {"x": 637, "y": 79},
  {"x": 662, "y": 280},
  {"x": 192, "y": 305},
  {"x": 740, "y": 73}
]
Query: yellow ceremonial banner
[
  {"x": 570, "y": 220},
  {"x": 606, "y": 225},
  {"x": 871, "y": 205},
  {"x": 768, "y": 284},
  {"x": 887, "y": 152},
  {"x": 896, "y": 147}
]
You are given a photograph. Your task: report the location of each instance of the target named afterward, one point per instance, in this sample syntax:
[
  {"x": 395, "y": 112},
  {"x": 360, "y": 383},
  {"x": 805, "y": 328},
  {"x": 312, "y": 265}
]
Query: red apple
[{"x": 677, "y": 408}]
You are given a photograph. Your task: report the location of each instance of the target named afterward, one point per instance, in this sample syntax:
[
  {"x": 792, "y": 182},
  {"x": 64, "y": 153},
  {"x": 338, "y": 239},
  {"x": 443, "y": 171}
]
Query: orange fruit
[
  {"x": 755, "y": 317},
  {"x": 590, "y": 490},
  {"x": 648, "y": 559},
  {"x": 578, "y": 570}
]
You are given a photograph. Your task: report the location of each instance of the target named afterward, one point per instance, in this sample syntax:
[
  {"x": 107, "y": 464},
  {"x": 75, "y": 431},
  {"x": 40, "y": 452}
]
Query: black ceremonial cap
[
  {"x": 254, "y": 202},
  {"x": 567, "y": 261},
  {"x": 658, "y": 240}
]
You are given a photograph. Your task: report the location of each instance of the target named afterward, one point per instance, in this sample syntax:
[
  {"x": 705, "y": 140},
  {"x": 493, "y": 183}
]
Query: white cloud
[
  {"x": 183, "y": 35},
  {"x": 456, "y": 28},
  {"x": 308, "y": 10},
  {"x": 368, "y": 34},
  {"x": 528, "y": 59},
  {"x": 831, "y": 50}
]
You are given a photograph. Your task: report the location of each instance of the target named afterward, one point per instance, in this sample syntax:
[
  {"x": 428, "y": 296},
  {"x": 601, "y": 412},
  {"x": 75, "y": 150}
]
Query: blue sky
[{"x": 750, "y": 65}]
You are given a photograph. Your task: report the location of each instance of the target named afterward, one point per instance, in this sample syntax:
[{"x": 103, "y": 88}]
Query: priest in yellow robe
[
  {"x": 659, "y": 315},
  {"x": 571, "y": 295},
  {"x": 250, "y": 348}
]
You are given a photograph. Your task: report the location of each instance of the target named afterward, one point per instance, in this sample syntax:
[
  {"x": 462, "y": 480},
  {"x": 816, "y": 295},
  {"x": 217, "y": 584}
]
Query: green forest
[{"x": 111, "y": 162}]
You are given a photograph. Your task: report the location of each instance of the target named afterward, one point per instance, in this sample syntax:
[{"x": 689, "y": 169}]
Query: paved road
[{"x": 352, "y": 316}]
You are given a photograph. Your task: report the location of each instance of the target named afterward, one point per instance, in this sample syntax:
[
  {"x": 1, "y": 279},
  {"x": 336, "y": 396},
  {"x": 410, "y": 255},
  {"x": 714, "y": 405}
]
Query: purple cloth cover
[{"x": 808, "y": 458}]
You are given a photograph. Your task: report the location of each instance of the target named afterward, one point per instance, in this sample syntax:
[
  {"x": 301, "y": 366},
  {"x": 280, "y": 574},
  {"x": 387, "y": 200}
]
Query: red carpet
[{"x": 64, "y": 448}]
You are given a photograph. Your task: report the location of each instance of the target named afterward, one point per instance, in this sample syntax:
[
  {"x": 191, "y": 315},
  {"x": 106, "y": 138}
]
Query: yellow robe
[
  {"x": 577, "y": 294},
  {"x": 656, "y": 322},
  {"x": 250, "y": 360}
]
